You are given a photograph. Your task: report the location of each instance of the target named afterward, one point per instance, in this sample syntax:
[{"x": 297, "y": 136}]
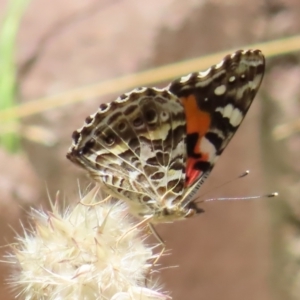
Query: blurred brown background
[{"x": 226, "y": 253}]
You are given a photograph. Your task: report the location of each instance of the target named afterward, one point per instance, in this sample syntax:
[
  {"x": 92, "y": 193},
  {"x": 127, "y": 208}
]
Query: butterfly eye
[
  {"x": 109, "y": 140},
  {"x": 150, "y": 115},
  {"x": 137, "y": 122}
]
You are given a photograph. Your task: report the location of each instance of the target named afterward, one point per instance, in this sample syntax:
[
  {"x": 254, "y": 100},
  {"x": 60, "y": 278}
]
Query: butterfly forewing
[
  {"x": 153, "y": 148},
  {"x": 216, "y": 102}
]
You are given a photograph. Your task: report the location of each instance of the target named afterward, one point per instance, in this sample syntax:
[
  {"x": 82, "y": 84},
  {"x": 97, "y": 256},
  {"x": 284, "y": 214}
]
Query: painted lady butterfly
[{"x": 153, "y": 148}]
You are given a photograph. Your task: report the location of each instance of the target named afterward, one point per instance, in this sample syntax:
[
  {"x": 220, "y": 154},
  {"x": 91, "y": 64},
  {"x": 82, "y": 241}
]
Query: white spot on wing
[
  {"x": 220, "y": 90},
  {"x": 216, "y": 158},
  {"x": 219, "y": 65},
  {"x": 228, "y": 109},
  {"x": 220, "y": 109},
  {"x": 256, "y": 81},
  {"x": 231, "y": 79},
  {"x": 204, "y": 83},
  {"x": 184, "y": 79},
  {"x": 234, "y": 115},
  {"x": 207, "y": 147},
  {"x": 204, "y": 73}
]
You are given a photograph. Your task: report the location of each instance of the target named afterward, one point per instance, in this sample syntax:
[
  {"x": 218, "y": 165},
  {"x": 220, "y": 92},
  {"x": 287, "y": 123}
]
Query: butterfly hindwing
[{"x": 136, "y": 151}]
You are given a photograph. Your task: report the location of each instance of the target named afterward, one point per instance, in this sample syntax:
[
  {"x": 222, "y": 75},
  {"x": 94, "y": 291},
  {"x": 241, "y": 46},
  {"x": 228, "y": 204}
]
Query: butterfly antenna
[
  {"x": 244, "y": 174},
  {"x": 275, "y": 194}
]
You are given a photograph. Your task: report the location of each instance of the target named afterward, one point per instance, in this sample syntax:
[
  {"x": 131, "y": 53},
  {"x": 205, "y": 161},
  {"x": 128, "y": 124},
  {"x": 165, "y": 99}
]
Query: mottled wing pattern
[
  {"x": 216, "y": 101},
  {"x": 154, "y": 148},
  {"x": 135, "y": 146}
]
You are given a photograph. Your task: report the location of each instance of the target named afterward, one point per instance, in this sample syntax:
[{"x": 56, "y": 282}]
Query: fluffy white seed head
[{"x": 85, "y": 252}]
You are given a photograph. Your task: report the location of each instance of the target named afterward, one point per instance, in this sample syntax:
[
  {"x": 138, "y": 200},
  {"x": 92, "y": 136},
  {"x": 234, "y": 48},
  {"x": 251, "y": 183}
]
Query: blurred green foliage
[{"x": 8, "y": 31}]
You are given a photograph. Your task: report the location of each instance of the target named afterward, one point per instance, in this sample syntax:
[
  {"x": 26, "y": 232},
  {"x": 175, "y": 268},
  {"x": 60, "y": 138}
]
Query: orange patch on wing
[{"x": 197, "y": 121}]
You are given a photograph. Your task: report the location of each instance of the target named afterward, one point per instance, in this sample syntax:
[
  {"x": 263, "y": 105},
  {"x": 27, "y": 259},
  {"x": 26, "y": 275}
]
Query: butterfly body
[{"x": 153, "y": 148}]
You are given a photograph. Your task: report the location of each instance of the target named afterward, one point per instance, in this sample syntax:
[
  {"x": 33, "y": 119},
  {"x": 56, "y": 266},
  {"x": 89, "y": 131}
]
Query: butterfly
[{"x": 153, "y": 148}]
